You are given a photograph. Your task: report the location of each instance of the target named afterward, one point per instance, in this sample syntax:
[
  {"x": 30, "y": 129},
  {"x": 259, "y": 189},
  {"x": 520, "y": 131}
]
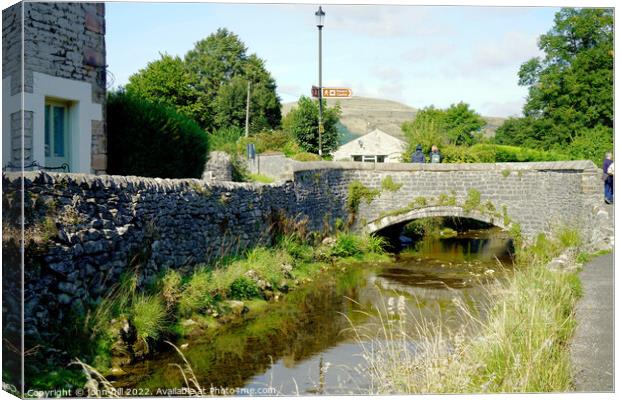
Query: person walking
[
  {"x": 608, "y": 178},
  {"x": 435, "y": 155},
  {"x": 418, "y": 156}
]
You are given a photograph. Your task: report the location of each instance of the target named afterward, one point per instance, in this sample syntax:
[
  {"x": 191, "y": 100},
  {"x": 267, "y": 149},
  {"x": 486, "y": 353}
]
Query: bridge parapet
[{"x": 538, "y": 196}]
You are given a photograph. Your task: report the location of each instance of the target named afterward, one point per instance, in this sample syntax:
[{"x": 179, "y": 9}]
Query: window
[
  {"x": 369, "y": 158},
  {"x": 56, "y": 133}
]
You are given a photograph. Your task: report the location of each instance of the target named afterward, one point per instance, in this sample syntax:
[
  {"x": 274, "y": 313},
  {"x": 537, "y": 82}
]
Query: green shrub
[
  {"x": 357, "y": 193},
  {"x": 148, "y": 315},
  {"x": 375, "y": 244},
  {"x": 197, "y": 295},
  {"x": 171, "y": 288},
  {"x": 491, "y": 153},
  {"x": 243, "y": 288},
  {"x": 303, "y": 156},
  {"x": 472, "y": 201},
  {"x": 148, "y": 139},
  {"x": 389, "y": 184},
  {"x": 226, "y": 139},
  {"x": 420, "y": 201},
  {"x": 292, "y": 246},
  {"x": 347, "y": 245},
  {"x": 568, "y": 237},
  {"x": 267, "y": 141}
]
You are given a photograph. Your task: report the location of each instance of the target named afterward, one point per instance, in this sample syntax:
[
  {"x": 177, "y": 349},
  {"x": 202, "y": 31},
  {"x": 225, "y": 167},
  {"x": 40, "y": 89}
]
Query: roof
[{"x": 376, "y": 142}]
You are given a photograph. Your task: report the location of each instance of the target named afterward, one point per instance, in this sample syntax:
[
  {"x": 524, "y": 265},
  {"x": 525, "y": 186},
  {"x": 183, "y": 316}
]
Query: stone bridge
[{"x": 538, "y": 196}]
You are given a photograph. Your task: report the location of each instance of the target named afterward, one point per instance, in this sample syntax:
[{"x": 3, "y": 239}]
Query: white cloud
[
  {"x": 508, "y": 51},
  {"x": 429, "y": 52},
  {"x": 503, "y": 109},
  {"x": 387, "y": 74},
  {"x": 385, "y": 21}
]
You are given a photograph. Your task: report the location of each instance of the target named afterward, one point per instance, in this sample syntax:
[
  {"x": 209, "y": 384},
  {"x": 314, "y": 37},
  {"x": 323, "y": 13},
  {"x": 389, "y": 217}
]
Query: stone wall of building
[
  {"x": 63, "y": 40},
  {"x": 12, "y": 47},
  {"x": 66, "y": 40}
]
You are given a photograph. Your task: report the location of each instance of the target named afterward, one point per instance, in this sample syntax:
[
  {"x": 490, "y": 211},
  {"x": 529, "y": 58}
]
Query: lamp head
[{"x": 320, "y": 17}]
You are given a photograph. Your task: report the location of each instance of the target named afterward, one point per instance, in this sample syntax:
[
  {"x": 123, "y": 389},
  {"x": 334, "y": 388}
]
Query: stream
[{"x": 316, "y": 328}]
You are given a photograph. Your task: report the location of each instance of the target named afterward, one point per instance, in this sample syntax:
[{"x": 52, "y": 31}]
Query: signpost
[{"x": 341, "y": 93}]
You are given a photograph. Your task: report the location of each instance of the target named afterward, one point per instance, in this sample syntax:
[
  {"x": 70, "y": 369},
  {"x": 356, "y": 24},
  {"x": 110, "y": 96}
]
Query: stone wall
[
  {"x": 277, "y": 165},
  {"x": 218, "y": 167},
  {"x": 66, "y": 40},
  {"x": 61, "y": 40},
  {"x": 12, "y": 47},
  {"x": 95, "y": 228}
]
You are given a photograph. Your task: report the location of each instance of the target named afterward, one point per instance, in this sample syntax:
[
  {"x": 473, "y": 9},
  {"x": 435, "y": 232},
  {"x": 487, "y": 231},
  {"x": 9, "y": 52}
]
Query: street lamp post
[{"x": 320, "y": 16}]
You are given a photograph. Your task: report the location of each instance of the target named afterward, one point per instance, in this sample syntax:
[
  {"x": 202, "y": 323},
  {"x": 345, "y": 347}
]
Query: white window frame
[{"x": 51, "y": 159}]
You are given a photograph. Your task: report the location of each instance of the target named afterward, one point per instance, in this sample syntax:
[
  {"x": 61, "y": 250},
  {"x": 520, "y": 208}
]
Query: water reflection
[{"x": 285, "y": 347}]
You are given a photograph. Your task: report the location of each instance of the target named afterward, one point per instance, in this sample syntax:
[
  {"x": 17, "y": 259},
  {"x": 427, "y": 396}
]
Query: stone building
[
  {"x": 376, "y": 146},
  {"x": 54, "y": 86}
]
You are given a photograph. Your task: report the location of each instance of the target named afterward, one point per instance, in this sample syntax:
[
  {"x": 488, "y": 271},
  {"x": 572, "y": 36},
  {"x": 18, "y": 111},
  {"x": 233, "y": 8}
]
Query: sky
[{"x": 417, "y": 55}]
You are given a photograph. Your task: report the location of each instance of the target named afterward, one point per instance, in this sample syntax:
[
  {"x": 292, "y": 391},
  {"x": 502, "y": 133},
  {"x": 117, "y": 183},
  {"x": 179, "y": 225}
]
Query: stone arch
[{"x": 433, "y": 211}]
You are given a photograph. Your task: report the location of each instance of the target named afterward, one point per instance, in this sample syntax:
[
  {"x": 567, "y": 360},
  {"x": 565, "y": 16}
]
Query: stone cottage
[{"x": 54, "y": 86}]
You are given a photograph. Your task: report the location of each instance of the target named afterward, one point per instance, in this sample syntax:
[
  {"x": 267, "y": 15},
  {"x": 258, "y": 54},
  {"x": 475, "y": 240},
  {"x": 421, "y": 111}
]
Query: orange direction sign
[
  {"x": 332, "y": 92},
  {"x": 337, "y": 92}
]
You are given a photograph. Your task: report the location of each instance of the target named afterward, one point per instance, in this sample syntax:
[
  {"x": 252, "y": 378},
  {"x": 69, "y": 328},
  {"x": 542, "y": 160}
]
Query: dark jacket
[
  {"x": 418, "y": 157},
  {"x": 438, "y": 153},
  {"x": 606, "y": 163}
]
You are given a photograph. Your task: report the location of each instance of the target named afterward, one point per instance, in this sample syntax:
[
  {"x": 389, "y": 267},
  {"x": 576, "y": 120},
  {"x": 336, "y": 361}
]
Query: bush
[
  {"x": 592, "y": 144},
  {"x": 197, "y": 295},
  {"x": 243, "y": 288},
  {"x": 347, "y": 245},
  {"x": 306, "y": 157},
  {"x": 149, "y": 316},
  {"x": 491, "y": 153},
  {"x": 226, "y": 139},
  {"x": 153, "y": 140}
]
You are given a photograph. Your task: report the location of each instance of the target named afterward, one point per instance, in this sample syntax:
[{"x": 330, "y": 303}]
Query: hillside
[{"x": 361, "y": 115}]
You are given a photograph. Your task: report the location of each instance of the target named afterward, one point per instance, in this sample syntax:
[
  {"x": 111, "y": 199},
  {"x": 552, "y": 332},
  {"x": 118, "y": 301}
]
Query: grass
[
  {"x": 388, "y": 184},
  {"x": 148, "y": 315},
  {"x": 520, "y": 346},
  {"x": 260, "y": 178}
]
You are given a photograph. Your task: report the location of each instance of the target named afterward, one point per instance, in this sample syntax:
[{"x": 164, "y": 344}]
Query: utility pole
[{"x": 247, "y": 113}]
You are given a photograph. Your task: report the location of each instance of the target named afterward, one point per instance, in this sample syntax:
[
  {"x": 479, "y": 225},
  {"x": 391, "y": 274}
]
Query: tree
[
  {"x": 210, "y": 84},
  {"x": 425, "y": 129},
  {"x": 303, "y": 123},
  {"x": 455, "y": 125},
  {"x": 461, "y": 123},
  {"x": 570, "y": 88},
  {"x": 168, "y": 82},
  {"x": 221, "y": 70}
]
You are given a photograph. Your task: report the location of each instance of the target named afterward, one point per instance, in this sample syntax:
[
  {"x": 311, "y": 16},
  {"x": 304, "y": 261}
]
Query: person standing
[
  {"x": 435, "y": 155},
  {"x": 608, "y": 178},
  {"x": 418, "y": 156}
]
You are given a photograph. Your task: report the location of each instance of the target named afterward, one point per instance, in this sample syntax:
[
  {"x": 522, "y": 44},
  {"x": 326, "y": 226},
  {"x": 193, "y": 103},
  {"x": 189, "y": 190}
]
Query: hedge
[{"x": 153, "y": 140}]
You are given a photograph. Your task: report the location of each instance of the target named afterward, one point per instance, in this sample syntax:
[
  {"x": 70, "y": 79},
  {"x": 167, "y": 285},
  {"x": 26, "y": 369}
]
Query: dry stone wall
[{"x": 95, "y": 228}]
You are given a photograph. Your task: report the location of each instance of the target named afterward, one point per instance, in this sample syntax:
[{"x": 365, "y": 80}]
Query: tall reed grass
[{"x": 518, "y": 344}]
